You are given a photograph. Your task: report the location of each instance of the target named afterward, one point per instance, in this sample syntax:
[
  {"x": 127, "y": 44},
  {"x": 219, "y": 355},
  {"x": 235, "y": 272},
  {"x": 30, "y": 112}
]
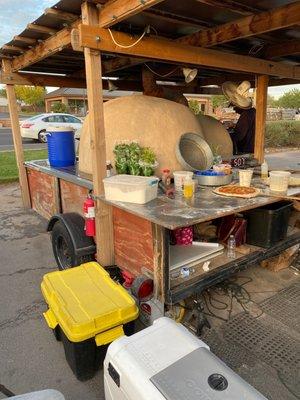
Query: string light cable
[
  {"x": 160, "y": 75},
  {"x": 123, "y": 46}
]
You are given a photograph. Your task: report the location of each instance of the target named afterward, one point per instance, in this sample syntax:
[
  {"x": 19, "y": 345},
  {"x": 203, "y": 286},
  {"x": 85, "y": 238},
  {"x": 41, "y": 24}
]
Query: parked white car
[{"x": 36, "y": 127}]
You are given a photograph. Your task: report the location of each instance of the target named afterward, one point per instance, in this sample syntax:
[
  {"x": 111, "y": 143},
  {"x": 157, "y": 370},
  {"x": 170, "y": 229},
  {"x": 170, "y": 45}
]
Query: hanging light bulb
[
  {"x": 111, "y": 86},
  {"x": 189, "y": 74}
]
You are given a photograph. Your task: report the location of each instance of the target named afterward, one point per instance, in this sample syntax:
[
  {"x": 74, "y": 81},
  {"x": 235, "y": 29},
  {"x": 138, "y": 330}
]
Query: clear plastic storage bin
[{"x": 130, "y": 188}]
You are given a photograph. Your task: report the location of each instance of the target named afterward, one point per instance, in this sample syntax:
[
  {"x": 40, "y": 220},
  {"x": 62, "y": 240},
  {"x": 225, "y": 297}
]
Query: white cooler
[{"x": 166, "y": 361}]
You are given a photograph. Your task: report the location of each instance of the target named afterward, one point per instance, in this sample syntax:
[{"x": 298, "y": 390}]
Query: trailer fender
[{"x": 74, "y": 223}]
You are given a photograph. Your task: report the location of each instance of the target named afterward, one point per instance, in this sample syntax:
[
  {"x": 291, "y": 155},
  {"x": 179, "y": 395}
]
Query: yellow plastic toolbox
[{"x": 87, "y": 310}]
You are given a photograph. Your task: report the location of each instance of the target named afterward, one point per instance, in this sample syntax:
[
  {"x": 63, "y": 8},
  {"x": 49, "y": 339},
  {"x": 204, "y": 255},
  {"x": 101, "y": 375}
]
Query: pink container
[{"x": 184, "y": 236}]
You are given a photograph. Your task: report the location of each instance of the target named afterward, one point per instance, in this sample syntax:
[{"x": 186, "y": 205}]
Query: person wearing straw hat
[{"x": 244, "y": 132}]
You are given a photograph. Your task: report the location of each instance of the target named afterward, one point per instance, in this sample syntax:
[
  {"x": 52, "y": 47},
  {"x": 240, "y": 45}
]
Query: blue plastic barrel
[{"x": 61, "y": 147}]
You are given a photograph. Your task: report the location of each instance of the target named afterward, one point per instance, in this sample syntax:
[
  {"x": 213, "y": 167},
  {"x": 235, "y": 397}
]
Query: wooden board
[
  {"x": 261, "y": 114},
  {"x": 103, "y": 220},
  {"x": 43, "y": 190},
  {"x": 72, "y": 197},
  {"x": 133, "y": 242},
  {"x": 171, "y": 51},
  {"x": 251, "y": 25}
]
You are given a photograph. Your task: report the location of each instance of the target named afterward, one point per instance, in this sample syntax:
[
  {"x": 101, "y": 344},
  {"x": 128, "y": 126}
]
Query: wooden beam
[
  {"x": 261, "y": 113},
  {"x": 63, "y": 15},
  {"x": 281, "y": 49},
  {"x": 277, "y": 18},
  {"x": 25, "y": 39},
  {"x": 162, "y": 49},
  {"x": 17, "y": 139},
  {"x": 170, "y": 17},
  {"x": 218, "y": 80},
  {"x": 6, "y": 57},
  {"x": 20, "y": 78},
  {"x": 45, "y": 49},
  {"x": 104, "y": 225},
  {"x": 118, "y": 63},
  {"x": 231, "y": 5},
  {"x": 13, "y": 48},
  {"x": 115, "y": 11},
  {"x": 41, "y": 29}
]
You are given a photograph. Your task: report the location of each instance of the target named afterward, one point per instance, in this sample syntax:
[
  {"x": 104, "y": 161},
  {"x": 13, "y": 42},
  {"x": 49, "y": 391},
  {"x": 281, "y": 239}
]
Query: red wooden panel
[
  {"x": 72, "y": 197},
  {"x": 43, "y": 193},
  {"x": 133, "y": 242}
]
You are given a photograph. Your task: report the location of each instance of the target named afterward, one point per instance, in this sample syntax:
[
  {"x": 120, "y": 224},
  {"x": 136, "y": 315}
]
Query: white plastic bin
[
  {"x": 167, "y": 362},
  {"x": 48, "y": 394},
  {"x": 131, "y": 189}
]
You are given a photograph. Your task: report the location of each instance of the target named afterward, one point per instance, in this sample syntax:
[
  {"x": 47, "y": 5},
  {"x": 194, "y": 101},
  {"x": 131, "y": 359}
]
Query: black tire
[
  {"x": 41, "y": 137},
  {"x": 63, "y": 248}
]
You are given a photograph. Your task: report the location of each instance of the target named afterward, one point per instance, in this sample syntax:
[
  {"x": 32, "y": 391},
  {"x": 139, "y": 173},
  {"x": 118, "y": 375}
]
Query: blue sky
[{"x": 16, "y": 14}]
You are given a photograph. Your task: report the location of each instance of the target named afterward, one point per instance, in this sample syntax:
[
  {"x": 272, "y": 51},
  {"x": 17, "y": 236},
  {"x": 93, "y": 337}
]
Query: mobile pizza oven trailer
[{"x": 143, "y": 46}]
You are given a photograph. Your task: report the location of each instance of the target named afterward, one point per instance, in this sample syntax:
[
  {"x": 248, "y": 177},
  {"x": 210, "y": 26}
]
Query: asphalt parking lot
[{"x": 30, "y": 357}]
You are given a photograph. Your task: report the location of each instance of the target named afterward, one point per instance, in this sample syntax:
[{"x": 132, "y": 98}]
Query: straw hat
[{"x": 238, "y": 94}]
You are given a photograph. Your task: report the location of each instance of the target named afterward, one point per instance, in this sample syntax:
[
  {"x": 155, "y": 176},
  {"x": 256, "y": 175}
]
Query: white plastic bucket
[
  {"x": 279, "y": 181},
  {"x": 179, "y": 178},
  {"x": 245, "y": 176}
]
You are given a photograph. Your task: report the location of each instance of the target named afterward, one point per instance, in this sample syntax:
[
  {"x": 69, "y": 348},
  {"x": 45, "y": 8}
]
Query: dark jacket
[{"x": 244, "y": 131}]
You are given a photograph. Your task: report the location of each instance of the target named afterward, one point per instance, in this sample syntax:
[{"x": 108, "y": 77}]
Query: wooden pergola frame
[{"x": 90, "y": 35}]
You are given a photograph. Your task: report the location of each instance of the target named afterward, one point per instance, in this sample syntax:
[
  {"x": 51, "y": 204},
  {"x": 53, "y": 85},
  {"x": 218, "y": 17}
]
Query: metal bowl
[
  {"x": 193, "y": 152},
  {"x": 213, "y": 180}
]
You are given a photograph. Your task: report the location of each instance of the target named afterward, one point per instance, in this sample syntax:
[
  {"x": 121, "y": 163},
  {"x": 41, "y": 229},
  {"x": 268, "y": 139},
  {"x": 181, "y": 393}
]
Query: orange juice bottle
[{"x": 188, "y": 188}]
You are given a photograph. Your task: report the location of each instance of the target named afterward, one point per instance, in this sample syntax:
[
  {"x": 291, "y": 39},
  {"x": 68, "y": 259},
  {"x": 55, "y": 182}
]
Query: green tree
[
  {"x": 219, "y": 100},
  {"x": 290, "y": 99},
  {"x": 2, "y": 92},
  {"x": 194, "y": 106},
  {"x": 272, "y": 102},
  {"x": 58, "y": 107},
  {"x": 31, "y": 95}
]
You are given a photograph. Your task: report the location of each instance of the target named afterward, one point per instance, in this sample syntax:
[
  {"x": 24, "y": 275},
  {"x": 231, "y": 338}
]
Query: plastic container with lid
[
  {"x": 167, "y": 362},
  {"x": 47, "y": 394},
  {"x": 279, "y": 181},
  {"x": 61, "y": 146},
  {"x": 131, "y": 189},
  {"x": 87, "y": 310}
]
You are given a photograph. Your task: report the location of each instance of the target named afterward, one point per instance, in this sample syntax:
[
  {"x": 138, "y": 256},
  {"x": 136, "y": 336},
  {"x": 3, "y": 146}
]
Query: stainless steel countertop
[
  {"x": 179, "y": 212},
  {"x": 70, "y": 174},
  {"x": 170, "y": 213}
]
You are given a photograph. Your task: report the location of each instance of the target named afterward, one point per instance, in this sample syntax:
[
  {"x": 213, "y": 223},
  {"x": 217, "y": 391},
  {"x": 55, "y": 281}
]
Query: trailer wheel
[{"x": 63, "y": 248}]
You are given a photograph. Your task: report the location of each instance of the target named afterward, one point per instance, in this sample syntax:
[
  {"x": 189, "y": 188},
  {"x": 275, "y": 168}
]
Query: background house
[
  {"x": 75, "y": 100},
  {"x": 204, "y": 102},
  {"x": 3, "y": 105}
]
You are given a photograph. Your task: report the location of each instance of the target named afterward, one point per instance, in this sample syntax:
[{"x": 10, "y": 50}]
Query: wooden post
[
  {"x": 17, "y": 139},
  {"x": 261, "y": 113},
  {"x": 104, "y": 226}
]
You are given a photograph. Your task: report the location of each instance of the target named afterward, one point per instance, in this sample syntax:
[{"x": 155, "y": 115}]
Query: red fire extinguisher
[{"x": 89, "y": 214}]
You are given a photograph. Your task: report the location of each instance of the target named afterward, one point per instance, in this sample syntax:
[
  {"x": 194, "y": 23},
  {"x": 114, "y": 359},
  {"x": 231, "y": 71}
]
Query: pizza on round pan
[{"x": 237, "y": 191}]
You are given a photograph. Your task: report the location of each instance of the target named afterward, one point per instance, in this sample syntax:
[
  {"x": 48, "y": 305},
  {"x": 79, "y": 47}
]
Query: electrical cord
[
  {"x": 233, "y": 291},
  {"x": 160, "y": 75},
  {"x": 130, "y": 45}
]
